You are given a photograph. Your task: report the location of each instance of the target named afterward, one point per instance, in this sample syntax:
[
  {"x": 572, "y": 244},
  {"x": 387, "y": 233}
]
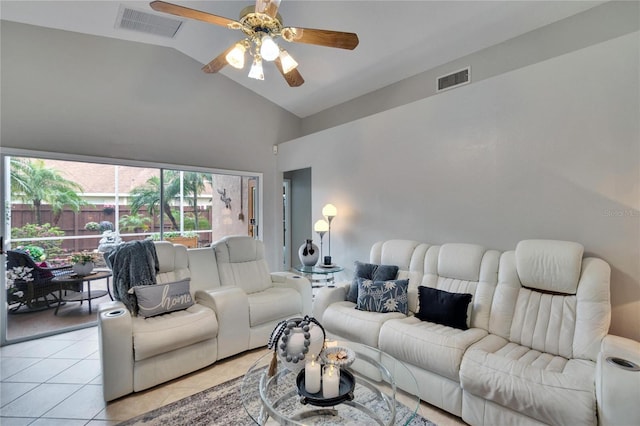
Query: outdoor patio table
[{"x": 66, "y": 280}]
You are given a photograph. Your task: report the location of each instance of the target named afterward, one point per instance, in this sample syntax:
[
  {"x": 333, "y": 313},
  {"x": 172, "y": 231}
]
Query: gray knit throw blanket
[{"x": 133, "y": 263}]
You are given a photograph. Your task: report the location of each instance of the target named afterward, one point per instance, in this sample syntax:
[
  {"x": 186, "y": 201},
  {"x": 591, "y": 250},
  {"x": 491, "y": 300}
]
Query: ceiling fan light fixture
[
  {"x": 235, "y": 57},
  {"x": 288, "y": 63},
  {"x": 269, "y": 50},
  {"x": 256, "y": 69}
]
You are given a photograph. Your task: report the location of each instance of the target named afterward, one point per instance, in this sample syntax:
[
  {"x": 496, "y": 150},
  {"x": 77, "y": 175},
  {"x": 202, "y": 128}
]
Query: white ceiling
[{"x": 398, "y": 39}]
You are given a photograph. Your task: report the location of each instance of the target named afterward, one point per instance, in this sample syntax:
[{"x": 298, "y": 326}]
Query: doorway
[{"x": 298, "y": 222}]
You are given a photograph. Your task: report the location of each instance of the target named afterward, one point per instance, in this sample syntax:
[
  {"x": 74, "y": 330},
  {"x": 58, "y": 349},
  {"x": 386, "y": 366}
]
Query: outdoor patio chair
[{"x": 42, "y": 286}]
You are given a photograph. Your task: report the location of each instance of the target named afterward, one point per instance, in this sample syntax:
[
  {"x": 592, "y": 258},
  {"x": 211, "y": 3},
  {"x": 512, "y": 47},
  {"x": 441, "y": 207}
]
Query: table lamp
[
  {"x": 321, "y": 227},
  {"x": 329, "y": 212}
]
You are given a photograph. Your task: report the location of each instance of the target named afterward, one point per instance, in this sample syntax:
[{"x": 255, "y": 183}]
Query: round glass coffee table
[{"x": 376, "y": 400}]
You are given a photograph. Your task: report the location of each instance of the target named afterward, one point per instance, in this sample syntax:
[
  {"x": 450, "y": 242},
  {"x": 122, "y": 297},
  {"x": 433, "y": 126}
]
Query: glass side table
[{"x": 319, "y": 275}]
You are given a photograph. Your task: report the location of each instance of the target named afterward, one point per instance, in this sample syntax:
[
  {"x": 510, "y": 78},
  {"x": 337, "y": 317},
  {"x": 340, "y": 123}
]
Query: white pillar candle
[
  {"x": 312, "y": 376},
  {"x": 330, "y": 381}
]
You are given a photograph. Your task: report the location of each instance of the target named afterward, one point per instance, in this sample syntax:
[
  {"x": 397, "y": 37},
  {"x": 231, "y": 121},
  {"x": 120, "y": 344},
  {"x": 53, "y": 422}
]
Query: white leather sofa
[
  {"x": 238, "y": 302},
  {"x": 536, "y": 348}
]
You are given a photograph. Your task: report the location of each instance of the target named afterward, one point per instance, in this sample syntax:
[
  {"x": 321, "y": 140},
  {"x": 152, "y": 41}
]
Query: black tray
[{"x": 345, "y": 392}]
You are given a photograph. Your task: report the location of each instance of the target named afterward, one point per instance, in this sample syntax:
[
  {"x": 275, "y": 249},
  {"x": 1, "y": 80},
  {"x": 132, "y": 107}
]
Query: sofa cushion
[
  {"x": 272, "y": 304},
  {"x": 175, "y": 330},
  {"x": 545, "y": 387},
  {"x": 370, "y": 271},
  {"x": 460, "y": 261},
  {"x": 443, "y": 307},
  {"x": 162, "y": 298},
  {"x": 383, "y": 296},
  {"x": 549, "y": 265},
  {"x": 241, "y": 263},
  {"x": 427, "y": 345},
  {"x": 342, "y": 319}
]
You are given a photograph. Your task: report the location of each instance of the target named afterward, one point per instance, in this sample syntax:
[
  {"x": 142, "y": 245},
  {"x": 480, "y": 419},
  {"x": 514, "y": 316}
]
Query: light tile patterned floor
[{"x": 57, "y": 381}]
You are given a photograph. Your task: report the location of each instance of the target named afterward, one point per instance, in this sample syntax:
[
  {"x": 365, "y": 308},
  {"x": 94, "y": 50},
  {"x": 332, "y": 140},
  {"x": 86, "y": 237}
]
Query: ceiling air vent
[
  {"x": 136, "y": 20},
  {"x": 455, "y": 79}
]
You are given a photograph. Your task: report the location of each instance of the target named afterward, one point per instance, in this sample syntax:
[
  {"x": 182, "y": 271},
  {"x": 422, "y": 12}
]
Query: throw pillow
[
  {"x": 371, "y": 272},
  {"x": 157, "y": 299},
  {"x": 443, "y": 307},
  {"x": 383, "y": 296}
]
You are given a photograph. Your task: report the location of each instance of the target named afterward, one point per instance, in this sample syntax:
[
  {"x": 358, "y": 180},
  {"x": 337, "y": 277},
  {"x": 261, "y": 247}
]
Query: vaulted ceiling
[{"x": 398, "y": 39}]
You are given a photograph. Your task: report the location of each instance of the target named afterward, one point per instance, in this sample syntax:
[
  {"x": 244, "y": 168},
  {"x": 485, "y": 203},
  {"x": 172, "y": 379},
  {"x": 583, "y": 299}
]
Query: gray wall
[
  {"x": 610, "y": 20},
  {"x": 301, "y": 225},
  {"x": 80, "y": 94},
  {"x": 549, "y": 150}
]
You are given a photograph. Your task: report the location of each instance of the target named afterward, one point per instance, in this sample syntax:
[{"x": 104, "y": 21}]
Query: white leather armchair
[
  {"x": 138, "y": 353},
  {"x": 251, "y": 300}
]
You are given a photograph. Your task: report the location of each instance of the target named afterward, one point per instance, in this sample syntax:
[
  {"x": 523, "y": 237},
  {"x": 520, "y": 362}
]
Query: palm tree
[
  {"x": 148, "y": 194},
  {"x": 193, "y": 184},
  {"x": 33, "y": 182}
]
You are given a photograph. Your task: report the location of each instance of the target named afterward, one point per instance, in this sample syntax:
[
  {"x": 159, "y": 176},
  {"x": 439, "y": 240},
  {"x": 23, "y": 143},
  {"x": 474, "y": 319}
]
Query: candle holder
[{"x": 345, "y": 391}]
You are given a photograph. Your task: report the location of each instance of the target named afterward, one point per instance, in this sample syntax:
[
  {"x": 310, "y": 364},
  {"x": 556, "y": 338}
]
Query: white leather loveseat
[
  {"x": 536, "y": 345},
  {"x": 237, "y": 305}
]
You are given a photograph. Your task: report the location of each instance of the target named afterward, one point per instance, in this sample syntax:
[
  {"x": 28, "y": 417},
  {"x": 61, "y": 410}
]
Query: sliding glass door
[{"x": 54, "y": 208}]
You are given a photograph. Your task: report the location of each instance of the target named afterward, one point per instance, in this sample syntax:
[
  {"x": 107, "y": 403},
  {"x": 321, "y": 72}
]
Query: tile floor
[{"x": 57, "y": 381}]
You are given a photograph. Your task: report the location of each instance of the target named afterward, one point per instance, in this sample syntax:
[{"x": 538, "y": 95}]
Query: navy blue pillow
[
  {"x": 371, "y": 272},
  {"x": 443, "y": 307}
]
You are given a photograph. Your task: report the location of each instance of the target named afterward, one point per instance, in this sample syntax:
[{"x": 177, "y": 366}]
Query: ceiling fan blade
[
  {"x": 185, "y": 12},
  {"x": 268, "y": 7},
  {"x": 218, "y": 62},
  {"x": 327, "y": 38},
  {"x": 293, "y": 77}
]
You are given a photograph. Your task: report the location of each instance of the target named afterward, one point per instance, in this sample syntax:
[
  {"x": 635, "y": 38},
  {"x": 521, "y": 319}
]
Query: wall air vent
[
  {"x": 455, "y": 79},
  {"x": 137, "y": 20}
]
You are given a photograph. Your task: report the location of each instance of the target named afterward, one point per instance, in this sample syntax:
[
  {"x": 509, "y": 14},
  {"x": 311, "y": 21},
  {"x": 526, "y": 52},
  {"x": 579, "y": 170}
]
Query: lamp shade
[
  {"x": 269, "y": 50},
  {"x": 235, "y": 57},
  {"x": 329, "y": 211},
  {"x": 321, "y": 226},
  {"x": 256, "y": 69}
]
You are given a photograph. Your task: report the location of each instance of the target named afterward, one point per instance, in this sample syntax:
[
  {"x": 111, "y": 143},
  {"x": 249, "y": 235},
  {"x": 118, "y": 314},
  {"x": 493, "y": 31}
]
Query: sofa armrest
[
  {"x": 325, "y": 297},
  {"x": 618, "y": 381},
  {"x": 298, "y": 283},
  {"x": 115, "y": 338},
  {"x": 231, "y": 306}
]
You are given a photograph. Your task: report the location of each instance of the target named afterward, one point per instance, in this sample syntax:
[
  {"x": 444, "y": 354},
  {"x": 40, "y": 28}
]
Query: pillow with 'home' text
[
  {"x": 160, "y": 299},
  {"x": 370, "y": 271},
  {"x": 443, "y": 307},
  {"x": 383, "y": 296}
]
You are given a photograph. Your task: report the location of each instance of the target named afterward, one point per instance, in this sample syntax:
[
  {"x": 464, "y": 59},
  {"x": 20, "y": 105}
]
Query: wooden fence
[{"x": 73, "y": 224}]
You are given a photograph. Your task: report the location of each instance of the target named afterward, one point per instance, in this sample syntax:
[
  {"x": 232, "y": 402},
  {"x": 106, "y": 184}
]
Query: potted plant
[
  {"x": 92, "y": 226},
  {"x": 83, "y": 262},
  {"x": 188, "y": 239},
  {"x": 17, "y": 275},
  {"x": 108, "y": 208}
]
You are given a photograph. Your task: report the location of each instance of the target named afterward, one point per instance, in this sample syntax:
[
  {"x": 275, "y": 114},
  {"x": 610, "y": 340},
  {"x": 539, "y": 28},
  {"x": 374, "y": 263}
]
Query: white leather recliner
[
  {"x": 237, "y": 305},
  {"x": 551, "y": 311},
  {"x": 138, "y": 353},
  {"x": 251, "y": 301}
]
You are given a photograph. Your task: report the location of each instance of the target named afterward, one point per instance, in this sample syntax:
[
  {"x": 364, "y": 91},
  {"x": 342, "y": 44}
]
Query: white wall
[
  {"x": 550, "y": 150},
  {"x": 78, "y": 94}
]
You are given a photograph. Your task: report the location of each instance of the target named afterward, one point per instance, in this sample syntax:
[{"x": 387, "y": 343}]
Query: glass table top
[
  {"x": 276, "y": 400},
  {"x": 317, "y": 269}
]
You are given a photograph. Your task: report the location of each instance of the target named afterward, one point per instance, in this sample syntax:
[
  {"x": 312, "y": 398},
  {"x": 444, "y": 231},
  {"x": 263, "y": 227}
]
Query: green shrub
[
  {"x": 92, "y": 226},
  {"x": 53, "y": 248}
]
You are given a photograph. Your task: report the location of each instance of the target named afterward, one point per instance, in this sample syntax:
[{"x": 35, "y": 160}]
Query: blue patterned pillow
[{"x": 383, "y": 296}]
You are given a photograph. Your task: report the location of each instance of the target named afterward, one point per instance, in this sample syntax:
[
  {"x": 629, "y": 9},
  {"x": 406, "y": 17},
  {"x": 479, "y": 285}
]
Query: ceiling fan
[{"x": 261, "y": 25}]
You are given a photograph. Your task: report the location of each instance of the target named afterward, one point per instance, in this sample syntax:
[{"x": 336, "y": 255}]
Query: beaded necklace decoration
[{"x": 282, "y": 332}]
